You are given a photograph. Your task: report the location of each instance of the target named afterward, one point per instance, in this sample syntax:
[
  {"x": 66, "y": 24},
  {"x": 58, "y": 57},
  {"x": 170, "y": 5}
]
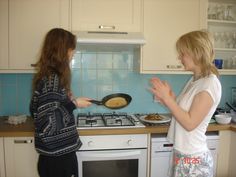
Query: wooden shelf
[
  {"x": 227, "y": 71},
  {"x": 221, "y": 21},
  {"x": 226, "y": 49}
]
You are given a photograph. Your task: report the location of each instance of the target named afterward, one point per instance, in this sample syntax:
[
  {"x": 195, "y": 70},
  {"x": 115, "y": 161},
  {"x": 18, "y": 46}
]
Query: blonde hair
[{"x": 200, "y": 46}]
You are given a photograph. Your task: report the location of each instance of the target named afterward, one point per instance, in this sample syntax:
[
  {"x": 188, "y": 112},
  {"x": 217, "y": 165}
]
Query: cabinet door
[
  {"x": 2, "y": 163},
  {"x": 3, "y": 34},
  {"x": 20, "y": 157},
  {"x": 111, "y": 15},
  {"x": 232, "y": 158},
  {"x": 29, "y": 21},
  {"x": 164, "y": 22}
]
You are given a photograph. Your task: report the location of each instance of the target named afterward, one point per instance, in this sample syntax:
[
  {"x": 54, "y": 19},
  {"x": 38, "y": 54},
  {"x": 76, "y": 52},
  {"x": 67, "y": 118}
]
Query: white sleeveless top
[{"x": 191, "y": 142}]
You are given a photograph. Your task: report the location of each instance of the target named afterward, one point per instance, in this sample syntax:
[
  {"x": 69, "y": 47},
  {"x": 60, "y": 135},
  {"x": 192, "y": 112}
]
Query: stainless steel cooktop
[{"x": 108, "y": 120}]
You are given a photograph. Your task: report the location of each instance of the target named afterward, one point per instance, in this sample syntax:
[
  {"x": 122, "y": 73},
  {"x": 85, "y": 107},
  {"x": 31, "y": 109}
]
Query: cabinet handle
[
  {"x": 106, "y": 27},
  {"x": 33, "y": 65},
  {"x": 173, "y": 66},
  {"x": 90, "y": 143},
  {"x": 129, "y": 142},
  {"x": 23, "y": 141}
]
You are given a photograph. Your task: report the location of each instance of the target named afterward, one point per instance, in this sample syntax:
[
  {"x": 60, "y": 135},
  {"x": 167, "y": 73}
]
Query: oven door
[{"x": 115, "y": 163}]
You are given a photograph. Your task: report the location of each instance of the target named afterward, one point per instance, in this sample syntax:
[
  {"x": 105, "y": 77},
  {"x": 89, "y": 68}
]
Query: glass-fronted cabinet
[{"x": 222, "y": 24}]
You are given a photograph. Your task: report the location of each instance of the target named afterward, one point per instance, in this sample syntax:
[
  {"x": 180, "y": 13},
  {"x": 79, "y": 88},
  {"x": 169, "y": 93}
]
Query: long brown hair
[
  {"x": 54, "y": 57},
  {"x": 199, "y": 45}
]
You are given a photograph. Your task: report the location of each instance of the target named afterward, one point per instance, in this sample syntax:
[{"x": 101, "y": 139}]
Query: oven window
[{"x": 111, "y": 168}]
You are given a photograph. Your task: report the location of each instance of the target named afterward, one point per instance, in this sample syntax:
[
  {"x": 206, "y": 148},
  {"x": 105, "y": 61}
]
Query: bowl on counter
[{"x": 223, "y": 118}]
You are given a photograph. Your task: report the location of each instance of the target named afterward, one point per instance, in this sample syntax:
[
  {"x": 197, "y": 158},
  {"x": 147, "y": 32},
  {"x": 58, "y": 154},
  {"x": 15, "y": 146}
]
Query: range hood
[{"x": 104, "y": 37}]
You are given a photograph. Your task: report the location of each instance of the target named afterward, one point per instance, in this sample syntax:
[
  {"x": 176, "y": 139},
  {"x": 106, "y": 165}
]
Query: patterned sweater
[{"x": 52, "y": 110}]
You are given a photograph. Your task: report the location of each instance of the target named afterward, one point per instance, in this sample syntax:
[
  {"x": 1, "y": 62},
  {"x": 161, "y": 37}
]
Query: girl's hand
[
  {"x": 70, "y": 95},
  {"x": 161, "y": 90},
  {"x": 82, "y": 102},
  {"x": 172, "y": 94}
]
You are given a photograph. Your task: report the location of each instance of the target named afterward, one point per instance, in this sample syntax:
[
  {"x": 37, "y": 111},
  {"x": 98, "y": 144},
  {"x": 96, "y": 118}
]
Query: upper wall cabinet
[
  {"x": 164, "y": 22},
  {"x": 3, "y": 34},
  {"x": 106, "y": 15},
  {"x": 29, "y": 21},
  {"x": 222, "y": 24}
]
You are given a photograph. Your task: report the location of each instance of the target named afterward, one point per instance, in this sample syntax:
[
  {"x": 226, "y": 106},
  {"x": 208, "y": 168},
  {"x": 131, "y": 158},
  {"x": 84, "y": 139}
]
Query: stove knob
[
  {"x": 130, "y": 142},
  {"x": 90, "y": 143}
]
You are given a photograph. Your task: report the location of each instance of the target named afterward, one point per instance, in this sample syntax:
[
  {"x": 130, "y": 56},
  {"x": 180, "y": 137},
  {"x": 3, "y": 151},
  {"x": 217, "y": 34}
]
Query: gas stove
[{"x": 108, "y": 120}]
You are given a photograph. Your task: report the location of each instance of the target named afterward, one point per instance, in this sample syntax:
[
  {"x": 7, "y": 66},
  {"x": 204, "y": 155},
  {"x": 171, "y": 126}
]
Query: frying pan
[{"x": 114, "y": 101}]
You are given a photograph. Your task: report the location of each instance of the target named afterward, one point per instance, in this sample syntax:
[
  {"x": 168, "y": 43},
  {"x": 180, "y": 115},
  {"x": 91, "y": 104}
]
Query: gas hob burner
[
  {"x": 89, "y": 120},
  {"x": 107, "y": 120},
  {"x": 121, "y": 119}
]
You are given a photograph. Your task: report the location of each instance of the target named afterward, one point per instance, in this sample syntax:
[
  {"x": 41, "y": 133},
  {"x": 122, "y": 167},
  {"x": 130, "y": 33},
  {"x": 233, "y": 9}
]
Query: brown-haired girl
[{"x": 52, "y": 105}]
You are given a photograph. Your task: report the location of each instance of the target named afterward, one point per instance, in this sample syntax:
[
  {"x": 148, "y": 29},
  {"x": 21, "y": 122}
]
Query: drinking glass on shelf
[
  {"x": 216, "y": 39},
  {"x": 212, "y": 11},
  {"x": 234, "y": 39},
  {"x": 220, "y": 11},
  {"x": 227, "y": 63},
  {"x": 223, "y": 38},
  {"x": 228, "y": 39},
  {"x": 228, "y": 13},
  {"x": 233, "y": 62}
]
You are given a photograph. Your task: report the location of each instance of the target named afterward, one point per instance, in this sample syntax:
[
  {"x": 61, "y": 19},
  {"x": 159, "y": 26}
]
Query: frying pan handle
[{"x": 96, "y": 102}]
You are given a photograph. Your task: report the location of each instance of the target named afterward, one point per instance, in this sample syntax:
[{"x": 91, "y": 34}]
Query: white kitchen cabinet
[
  {"x": 232, "y": 158},
  {"x": 29, "y": 21},
  {"x": 164, "y": 22},
  {"x": 3, "y": 34},
  {"x": 2, "y": 163},
  {"x": 20, "y": 157},
  {"x": 223, "y": 154},
  {"x": 110, "y": 15},
  {"x": 222, "y": 24}
]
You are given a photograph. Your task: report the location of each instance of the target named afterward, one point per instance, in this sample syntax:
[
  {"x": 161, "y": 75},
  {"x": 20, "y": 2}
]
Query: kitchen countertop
[{"x": 27, "y": 129}]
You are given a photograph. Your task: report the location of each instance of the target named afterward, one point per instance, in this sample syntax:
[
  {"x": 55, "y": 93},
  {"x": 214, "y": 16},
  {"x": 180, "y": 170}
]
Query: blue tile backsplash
[{"x": 95, "y": 75}]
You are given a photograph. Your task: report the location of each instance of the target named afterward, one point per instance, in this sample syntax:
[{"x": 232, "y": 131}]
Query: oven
[{"x": 112, "y": 155}]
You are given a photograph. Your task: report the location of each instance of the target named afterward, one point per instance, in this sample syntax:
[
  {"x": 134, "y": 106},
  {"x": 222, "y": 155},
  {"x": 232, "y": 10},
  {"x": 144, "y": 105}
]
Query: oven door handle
[{"x": 110, "y": 154}]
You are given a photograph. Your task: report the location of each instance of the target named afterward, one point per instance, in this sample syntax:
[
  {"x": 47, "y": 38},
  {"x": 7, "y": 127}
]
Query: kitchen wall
[{"x": 95, "y": 75}]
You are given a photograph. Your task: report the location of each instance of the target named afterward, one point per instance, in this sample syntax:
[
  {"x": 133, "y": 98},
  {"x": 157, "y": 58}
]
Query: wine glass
[
  {"x": 220, "y": 12},
  {"x": 234, "y": 39},
  {"x": 228, "y": 40},
  {"x": 228, "y": 13},
  {"x": 222, "y": 40},
  {"x": 217, "y": 39},
  {"x": 212, "y": 11}
]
